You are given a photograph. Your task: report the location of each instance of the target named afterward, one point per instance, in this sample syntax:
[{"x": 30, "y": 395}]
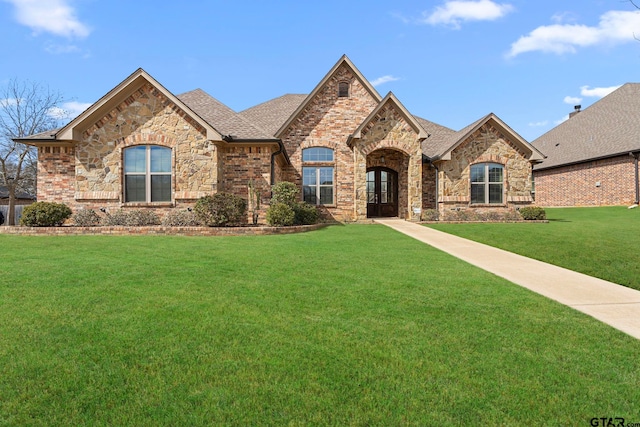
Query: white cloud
[
  {"x": 69, "y": 110},
  {"x": 52, "y": 16},
  {"x": 598, "y": 92},
  {"x": 384, "y": 79},
  {"x": 454, "y": 12},
  {"x": 614, "y": 27},
  {"x": 562, "y": 120},
  {"x": 57, "y": 49},
  {"x": 8, "y": 101},
  {"x": 572, "y": 100},
  {"x": 539, "y": 124}
]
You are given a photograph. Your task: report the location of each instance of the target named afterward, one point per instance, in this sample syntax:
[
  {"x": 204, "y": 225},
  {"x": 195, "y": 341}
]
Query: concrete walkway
[{"x": 608, "y": 302}]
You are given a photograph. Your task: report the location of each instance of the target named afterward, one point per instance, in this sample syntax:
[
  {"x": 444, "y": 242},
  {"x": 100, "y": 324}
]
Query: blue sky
[{"x": 449, "y": 61}]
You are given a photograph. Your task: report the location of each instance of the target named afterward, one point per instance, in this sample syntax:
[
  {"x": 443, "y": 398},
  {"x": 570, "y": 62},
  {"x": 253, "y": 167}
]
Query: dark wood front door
[{"x": 382, "y": 192}]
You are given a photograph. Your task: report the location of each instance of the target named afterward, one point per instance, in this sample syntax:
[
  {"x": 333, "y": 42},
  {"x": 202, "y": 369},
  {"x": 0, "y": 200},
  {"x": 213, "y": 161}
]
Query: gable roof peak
[
  {"x": 410, "y": 119},
  {"x": 72, "y": 130},
  {"x": 344, "y": 60}
]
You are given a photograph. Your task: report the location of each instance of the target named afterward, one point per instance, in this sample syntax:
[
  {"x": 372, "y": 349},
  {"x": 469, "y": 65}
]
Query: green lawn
[
  {"x": 601, "y": 242},
  {"x": 347, "y": 325}
]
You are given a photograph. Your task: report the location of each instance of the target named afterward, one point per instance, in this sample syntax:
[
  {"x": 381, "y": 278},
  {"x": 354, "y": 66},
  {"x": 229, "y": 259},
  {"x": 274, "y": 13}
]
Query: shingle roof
[
  {"x": 440, "y": 138},
  {"x": 609, "y": 127},
  {"x": 272, "y": 114},
  {"x": 222, "y": 118}
]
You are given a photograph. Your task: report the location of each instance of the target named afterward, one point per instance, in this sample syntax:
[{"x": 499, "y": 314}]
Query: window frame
[
  {"x": 148, "y": 175},
  {"x": 486, "y": 184},
  {"x": 313, "y": 160}
]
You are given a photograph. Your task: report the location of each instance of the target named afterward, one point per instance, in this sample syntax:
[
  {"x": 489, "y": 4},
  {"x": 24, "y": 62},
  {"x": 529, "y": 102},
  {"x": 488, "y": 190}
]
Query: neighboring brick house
[
  {"x": 592, "y": 158},
  {"x": 352, "y": 152}
]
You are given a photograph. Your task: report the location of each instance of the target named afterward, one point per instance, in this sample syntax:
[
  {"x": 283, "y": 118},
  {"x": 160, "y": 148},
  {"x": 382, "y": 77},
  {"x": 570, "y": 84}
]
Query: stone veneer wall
[
  {"x": 576, "y": 185},
  {"x": 145, "y": 117},
  {"x": 56, "y": 175},
  {"x": 485, "y": 145},
  {"x": 327, "y": 122},
  {"x": 388, "y": 130}
]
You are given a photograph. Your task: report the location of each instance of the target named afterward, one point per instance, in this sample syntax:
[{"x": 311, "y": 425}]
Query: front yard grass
[
  {"x": 348, "y": 325},
  {"x": 601, "y": 242}
]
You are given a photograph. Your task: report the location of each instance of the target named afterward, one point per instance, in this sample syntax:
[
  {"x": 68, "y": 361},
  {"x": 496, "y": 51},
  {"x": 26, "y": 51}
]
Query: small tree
[{"x": 26, "y": 108}]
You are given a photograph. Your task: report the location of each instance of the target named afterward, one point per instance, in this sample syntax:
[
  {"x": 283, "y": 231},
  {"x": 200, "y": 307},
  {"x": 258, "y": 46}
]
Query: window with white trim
[
  {"x": 487, "y": 183},
  {"x": 318, "y": 176},
  {"x": 147, "y": 174}
]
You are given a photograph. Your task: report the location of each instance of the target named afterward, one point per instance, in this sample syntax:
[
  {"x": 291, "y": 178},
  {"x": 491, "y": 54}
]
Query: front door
[{"x": 382, "y": 192}]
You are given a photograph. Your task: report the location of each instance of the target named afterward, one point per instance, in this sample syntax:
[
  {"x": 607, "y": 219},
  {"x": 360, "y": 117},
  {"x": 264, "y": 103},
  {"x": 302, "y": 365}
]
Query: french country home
[{"x": 352, "y": 152}]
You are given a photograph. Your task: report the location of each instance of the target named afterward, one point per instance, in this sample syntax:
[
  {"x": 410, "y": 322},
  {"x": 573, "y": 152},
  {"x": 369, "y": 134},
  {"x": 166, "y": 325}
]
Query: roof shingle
[{"x": 609, "y": 127}]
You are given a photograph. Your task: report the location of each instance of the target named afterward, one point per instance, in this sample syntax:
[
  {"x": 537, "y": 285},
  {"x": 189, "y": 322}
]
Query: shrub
[
  {"x": 45, "y": 214},
  {"x": 280, "y": 214},
  {"x": 305, "y": 214},
  {"x": 285, "y": 192},
  {"x": 430, "y": 215},
  {"x": 86, "y": 218},
  {"x": 131, "y": 218},
  {"x": 181, "y": 219},
  {"x": 533, "y": 213},
  {"x": 221, "y": 209}
]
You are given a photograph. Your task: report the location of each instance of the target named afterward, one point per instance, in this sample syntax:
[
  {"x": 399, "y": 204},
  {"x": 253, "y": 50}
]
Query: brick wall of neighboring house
[
  {"x": 56, "y": 175},
  {"x": 577, "y": 185},
  {"x": 327, "y": 122},
  {"x": 487, "y": 145},
  {"x": 241, "y": 164}
]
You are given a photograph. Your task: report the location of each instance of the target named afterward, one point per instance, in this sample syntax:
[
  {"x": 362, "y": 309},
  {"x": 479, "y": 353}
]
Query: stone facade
[
  {"x": 596, "y": 183},
  {"x": 486, "y": 145},
  {"x": 389, "y": 135},
  {"x": 214, "y": 149},
  {"x": 146, "y": 117}
]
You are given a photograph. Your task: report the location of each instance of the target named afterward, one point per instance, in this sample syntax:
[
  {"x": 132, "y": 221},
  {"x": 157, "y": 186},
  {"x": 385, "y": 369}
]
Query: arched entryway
[{"x": 382, "y": 192}]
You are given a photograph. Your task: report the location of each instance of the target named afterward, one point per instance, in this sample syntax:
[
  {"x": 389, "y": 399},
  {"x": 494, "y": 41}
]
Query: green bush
[
  {"x": 280, "y": 215},
  {"x": 131, "y": 218},
  {"x": 86, "y": 218},
  {"x": 305, "y": 214},
  {"x": 221, "y": 209},
  {"x": 181, "y": 218},
  {"x": 285, "y": 192},
  {"x": 45, "y": 214},
  {"x": 531, "y": 213}
]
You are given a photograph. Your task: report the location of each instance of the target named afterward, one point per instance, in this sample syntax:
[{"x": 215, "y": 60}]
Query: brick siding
[{"x": 576, "y": 185}]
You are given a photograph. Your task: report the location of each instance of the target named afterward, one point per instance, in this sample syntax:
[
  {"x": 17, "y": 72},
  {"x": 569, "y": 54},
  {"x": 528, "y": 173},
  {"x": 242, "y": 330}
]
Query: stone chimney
[{"x": 576, "y": 110}]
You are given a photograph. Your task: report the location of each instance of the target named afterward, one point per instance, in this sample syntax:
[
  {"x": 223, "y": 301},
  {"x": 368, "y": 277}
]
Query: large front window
[
  {"x": 317, "y": 176},
  {"x": 487, "y": 183},
  {"x": 147, "y": 174}
]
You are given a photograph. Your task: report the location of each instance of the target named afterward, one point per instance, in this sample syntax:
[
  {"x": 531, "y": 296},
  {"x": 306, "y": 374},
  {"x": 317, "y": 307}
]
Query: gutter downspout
[
  {"x": 273, "y": 161},
  {"x": 636, "y": 155}
]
